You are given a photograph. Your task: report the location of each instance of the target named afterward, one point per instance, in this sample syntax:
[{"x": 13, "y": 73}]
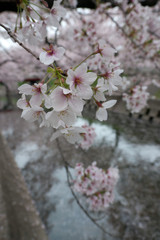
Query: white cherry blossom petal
[
  {"x": 59, "y": 102},
  {"x": 23, "y": 103},
  {"x": 26, "y": 89},
  {"x": 109, "y": 104},
  {"x": 101, "y": 114},
  {"x": 76, "y": 104}
]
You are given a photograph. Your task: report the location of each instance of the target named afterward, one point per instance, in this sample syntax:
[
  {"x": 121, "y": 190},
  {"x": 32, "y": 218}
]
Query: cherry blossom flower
[
  {"x": 65, "y": 118},
  {"x": 23, "y": 103},
  {"x": 99, "y": 90},
  {"x": 37, "y": 91},
  {"x": 88, "y": 137},
  {"x": 32, "y": 113},
  {"x": 72, "y": 134},
  {"x": 125, "y": 83},
  {"x": 94, "y": 62},
  {"x": 111, "y": 75},
  {"x": 83, "y": 136},
  {"x": 96, "y": 184},
  {"x": 101, "y": 113},
  {"x": 62, "y": 98},
  {"x": 105, "y": 50},
  {"x": 56, "y": 12},
  {"x": 48, "y": 56},
  {"x": 32, "y": 33},
  {"x": 137, "y": 100},
  {"x": 80, "y": 81},
  {"x": 86, "y": 32}
]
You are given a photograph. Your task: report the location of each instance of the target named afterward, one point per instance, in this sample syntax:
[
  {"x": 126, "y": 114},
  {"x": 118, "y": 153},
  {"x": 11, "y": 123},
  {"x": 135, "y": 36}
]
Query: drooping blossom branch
[
  {"x": 13, "y": 36},
  {"x": 70, "y": 183}
]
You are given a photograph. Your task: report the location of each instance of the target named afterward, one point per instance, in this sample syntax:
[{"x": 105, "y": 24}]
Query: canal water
[{"x": 134, "y": 149}]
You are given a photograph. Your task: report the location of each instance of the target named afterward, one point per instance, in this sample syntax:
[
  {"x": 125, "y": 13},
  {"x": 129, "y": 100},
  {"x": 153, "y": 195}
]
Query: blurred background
[{"x": 128, "y": 141}]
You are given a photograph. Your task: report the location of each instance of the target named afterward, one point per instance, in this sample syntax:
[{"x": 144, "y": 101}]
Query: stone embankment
[{"x": 19, "y": 219}]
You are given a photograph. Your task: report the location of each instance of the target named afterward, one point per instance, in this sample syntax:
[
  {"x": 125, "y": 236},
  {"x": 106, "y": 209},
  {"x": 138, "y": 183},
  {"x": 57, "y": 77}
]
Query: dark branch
[{"x": 13, "y": 36}]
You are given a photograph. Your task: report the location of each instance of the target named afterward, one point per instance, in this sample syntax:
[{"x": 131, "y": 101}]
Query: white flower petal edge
[{"x": 109, "y": 104}]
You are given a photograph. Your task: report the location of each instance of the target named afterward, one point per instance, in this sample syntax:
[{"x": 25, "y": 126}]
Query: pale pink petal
[
  {"x": 59, "y": 53},
  {"x": 90, "y": 77},
  {"x": 59, "y": 100},
  {"x": 72, "y": 134},
  {"x": 23, "y": 103},
  {"x": 53, "y": 118},
  {"x": 26, "y": 89},
  {"x": 68, "y": 117},
  {"x": 81, "y": 69},
  {"x": 101, "y": 114},
  {"x": 48, "y": 101},
  {"x": 76, "y": 104},
  {"x": 30, "y": 115},
  {"x": 36, "y": 100},
  {"x": 66, "y": 91},
  {"x": 70, "y": 77},
  {"x": 45, "y": 58},
  {"x": 53, "y": 21},
  {"x": 84, "y": 91},
  {"x": 109, "y": 104},
  {"x": 99, "y": 96}
]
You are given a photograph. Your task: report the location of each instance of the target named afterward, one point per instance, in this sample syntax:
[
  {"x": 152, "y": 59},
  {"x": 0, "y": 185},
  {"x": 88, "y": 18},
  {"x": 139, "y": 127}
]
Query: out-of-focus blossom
[{"x": 96, "y": 184}]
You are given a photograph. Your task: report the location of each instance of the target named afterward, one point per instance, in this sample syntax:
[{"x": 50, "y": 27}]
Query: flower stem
[
  {"x": 84, "y": 60},
  {"x": 36, "y": 12},
  {"x": 39, "y": 6}
]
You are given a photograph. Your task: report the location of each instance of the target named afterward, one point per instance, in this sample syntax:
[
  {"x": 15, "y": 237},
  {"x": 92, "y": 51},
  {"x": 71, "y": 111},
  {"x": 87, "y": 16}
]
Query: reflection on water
[
  {"x": 135, "y": 213},
  {"x": 68, "y": 221}
]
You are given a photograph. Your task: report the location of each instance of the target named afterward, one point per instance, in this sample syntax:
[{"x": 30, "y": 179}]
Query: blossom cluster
[
  {"x": 60, "y": 97},
  {"x": 58, "y": 105},
  {"x": 139, "y": 25},
  {"x": 35, "y": 20},
  {"x": 88, "y": 137},
  {"x": 96, "y": 184},
  {"x": 137, "y": 100},
  {"x": 137, "y": 40}
]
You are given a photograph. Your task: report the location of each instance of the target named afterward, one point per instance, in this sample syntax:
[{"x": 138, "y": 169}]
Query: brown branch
[
  {"x": 13, "y": 36},
  {"x": 69, "y": 176}
]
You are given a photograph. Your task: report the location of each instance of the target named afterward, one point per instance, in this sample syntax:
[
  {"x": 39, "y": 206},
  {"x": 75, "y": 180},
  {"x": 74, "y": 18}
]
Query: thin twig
[
  {"x": 13, "y": 36},
  {"x": 75, "y": 196}
]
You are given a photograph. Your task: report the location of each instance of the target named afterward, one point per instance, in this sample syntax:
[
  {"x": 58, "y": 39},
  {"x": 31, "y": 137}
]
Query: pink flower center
[
  {"x": 77, "y": 81},
  {"x": 68, "y": 95},
  {"x": 54, "y": 11},
  {"x": 107, "y": 75},
  {"x": 50, "y": 52},
  {"x": 37, "y": 89}
]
